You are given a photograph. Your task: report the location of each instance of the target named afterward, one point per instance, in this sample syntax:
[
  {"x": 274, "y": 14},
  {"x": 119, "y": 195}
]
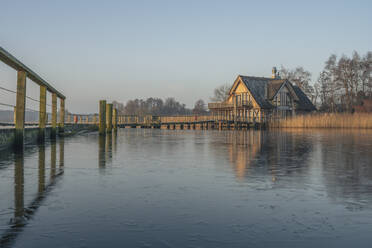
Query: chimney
[{"x": 274, "y": 72}]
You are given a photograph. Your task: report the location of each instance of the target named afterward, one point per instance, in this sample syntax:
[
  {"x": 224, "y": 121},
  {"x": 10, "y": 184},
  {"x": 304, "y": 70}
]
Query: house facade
[{"x": 255, "y": 99}]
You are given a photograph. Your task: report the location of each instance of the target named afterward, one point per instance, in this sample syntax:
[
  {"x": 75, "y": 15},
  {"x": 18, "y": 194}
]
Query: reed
[{"x": 357, "y": 121}]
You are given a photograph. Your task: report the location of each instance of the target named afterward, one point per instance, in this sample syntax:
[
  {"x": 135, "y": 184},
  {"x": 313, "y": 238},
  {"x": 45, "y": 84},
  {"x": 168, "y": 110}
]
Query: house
[{"x": 257, "y": 98}]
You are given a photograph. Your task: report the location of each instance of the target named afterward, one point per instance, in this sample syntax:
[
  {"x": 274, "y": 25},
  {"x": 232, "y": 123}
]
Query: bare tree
[
  {"x": 316, "y": 93},
  {"x": 345, "y": 82},
  {"x": 366, "y": 75},
  {"x": 221, "y": 93}
]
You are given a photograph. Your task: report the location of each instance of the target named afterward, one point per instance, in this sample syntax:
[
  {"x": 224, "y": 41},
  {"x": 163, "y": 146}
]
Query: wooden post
[
  {"x": 20, "y": 108},
  {"x": 62, "y": 116},
  {"x": 109, "y": 117},
  {"x": 115, "y": 118},
  {"x": 54, "y": 116},
  {"x": 102, "y": 117},
  {"x": 42, "y": 114}
]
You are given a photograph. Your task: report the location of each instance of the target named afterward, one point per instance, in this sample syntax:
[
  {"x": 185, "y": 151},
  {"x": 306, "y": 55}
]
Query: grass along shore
[{"x": 337, "y": 120}]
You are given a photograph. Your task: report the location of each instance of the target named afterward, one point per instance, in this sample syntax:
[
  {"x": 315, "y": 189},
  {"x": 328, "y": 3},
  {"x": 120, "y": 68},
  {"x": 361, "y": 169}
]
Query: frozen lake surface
[{"x": 190, "y": 188}]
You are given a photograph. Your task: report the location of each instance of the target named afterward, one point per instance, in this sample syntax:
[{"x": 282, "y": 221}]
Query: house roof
[
  {"x": 304, "y": 102},
  {"x": 264, "y": 90},
  {"x": 257, "y": 86},
  {"x": 273, "y": 87}
]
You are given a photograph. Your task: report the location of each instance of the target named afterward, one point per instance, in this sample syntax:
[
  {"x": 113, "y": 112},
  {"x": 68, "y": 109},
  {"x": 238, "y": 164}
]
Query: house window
[{"x": 284, "y": 99}]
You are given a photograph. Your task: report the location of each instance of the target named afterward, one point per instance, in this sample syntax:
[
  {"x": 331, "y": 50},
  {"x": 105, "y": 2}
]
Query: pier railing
[{"x": 23, "y": 72}]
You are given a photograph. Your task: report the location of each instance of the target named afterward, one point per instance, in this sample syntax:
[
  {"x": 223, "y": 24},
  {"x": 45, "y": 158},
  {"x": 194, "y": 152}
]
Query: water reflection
[
  {"x": 101, "y": 151},
  {"x": 18, "y": 187},
  {"x": 338, "y": 160},
  {"x": 25, "y": 211},
  {"x": 227, "y": 189},
  {"x": 107, "y": 144}
]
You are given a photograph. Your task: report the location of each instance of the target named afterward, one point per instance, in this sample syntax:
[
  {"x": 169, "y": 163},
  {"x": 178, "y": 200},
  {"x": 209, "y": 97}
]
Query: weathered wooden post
[
  {"x": 115, "y": 118},
  {"x": 102, "y": 117},
  {"x": 20, "y": 108},
  {"x": 109, "y": 117},
  {"x": 54, "y": 116},
  {"x": 42, "y": 114},
  {"x": 14, "y": 115},
  {"x": 62, "y": 116}
]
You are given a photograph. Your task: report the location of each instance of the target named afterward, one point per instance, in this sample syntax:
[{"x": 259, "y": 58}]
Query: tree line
[{"x": 159, "y": 107}]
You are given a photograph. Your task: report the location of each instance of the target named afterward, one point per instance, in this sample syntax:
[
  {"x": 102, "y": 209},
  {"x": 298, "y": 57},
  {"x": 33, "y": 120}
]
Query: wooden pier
[{"x": 106, "y": 121}]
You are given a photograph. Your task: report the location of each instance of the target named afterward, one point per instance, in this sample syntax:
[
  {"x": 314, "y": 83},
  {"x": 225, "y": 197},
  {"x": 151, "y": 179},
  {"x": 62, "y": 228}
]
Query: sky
[{"x": 121, "y": 50}]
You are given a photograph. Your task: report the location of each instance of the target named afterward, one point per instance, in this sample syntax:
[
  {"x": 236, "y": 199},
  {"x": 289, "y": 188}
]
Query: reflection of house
[
  {"x": 243, "y": 149},
  {"x": 253, "y": 98}
]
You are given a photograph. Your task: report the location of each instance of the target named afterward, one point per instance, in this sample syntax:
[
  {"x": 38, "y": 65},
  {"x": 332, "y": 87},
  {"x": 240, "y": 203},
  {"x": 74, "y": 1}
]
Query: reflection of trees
[
  {"x": 347, "y": 172},
  {"x": 343, "y": 159},
  {"x": 23, "y": 213}
]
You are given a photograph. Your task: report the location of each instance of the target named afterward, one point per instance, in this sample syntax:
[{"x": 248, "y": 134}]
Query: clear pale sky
[{"x": 120, "y": 50}]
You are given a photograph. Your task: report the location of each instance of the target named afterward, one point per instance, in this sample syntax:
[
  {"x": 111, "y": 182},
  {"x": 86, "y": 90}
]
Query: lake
[{"x": 190, "y": 188}]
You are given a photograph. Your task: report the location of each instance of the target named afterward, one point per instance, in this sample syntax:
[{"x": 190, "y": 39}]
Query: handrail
[
  {"x": 214, "y": 105},
  {"x": 11, "y": 61},
  {"x": 220, "y": 105}
]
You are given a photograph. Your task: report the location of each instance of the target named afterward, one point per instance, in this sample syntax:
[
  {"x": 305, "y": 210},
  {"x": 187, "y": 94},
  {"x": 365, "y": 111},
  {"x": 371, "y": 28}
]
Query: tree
[
  {"x": 317, "y": 90},
  {"x": 221, "y": 93},
  {"x": 344, "y": 82},
  {"x": 366, "y": 75},
  {"x": 199, "y": 107}
]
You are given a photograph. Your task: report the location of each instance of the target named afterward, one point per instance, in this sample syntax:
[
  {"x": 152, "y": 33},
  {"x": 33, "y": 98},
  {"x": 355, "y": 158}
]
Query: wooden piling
[
  {"x": 42, "y": 114},
  {"x": 54, "y": 116},
  {"x": 109, "y": 117},
  {"x": 115, "y": 118},
  {"x": 102, "y": 117},
  {"x": 20, "y": 108},
  {"x": 62, "y": 116}
]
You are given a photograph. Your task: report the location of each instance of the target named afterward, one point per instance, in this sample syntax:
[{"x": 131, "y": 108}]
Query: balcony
[
  {"x": 220, "y": 105},
  {"x": 226, "y": 105}
]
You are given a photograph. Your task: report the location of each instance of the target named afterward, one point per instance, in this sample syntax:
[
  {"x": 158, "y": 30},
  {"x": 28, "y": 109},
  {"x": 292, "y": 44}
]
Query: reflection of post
[
  {"x": 61, "y": 152},
  {"x": 41, "y": 169},
  {"x": 101, "y": 151},
  {"x": 18, "y": 186},
  {"x": 109, "y": 147},
  {"x": 114, "y": 141},
  {"x": 53, "y": 158}
]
